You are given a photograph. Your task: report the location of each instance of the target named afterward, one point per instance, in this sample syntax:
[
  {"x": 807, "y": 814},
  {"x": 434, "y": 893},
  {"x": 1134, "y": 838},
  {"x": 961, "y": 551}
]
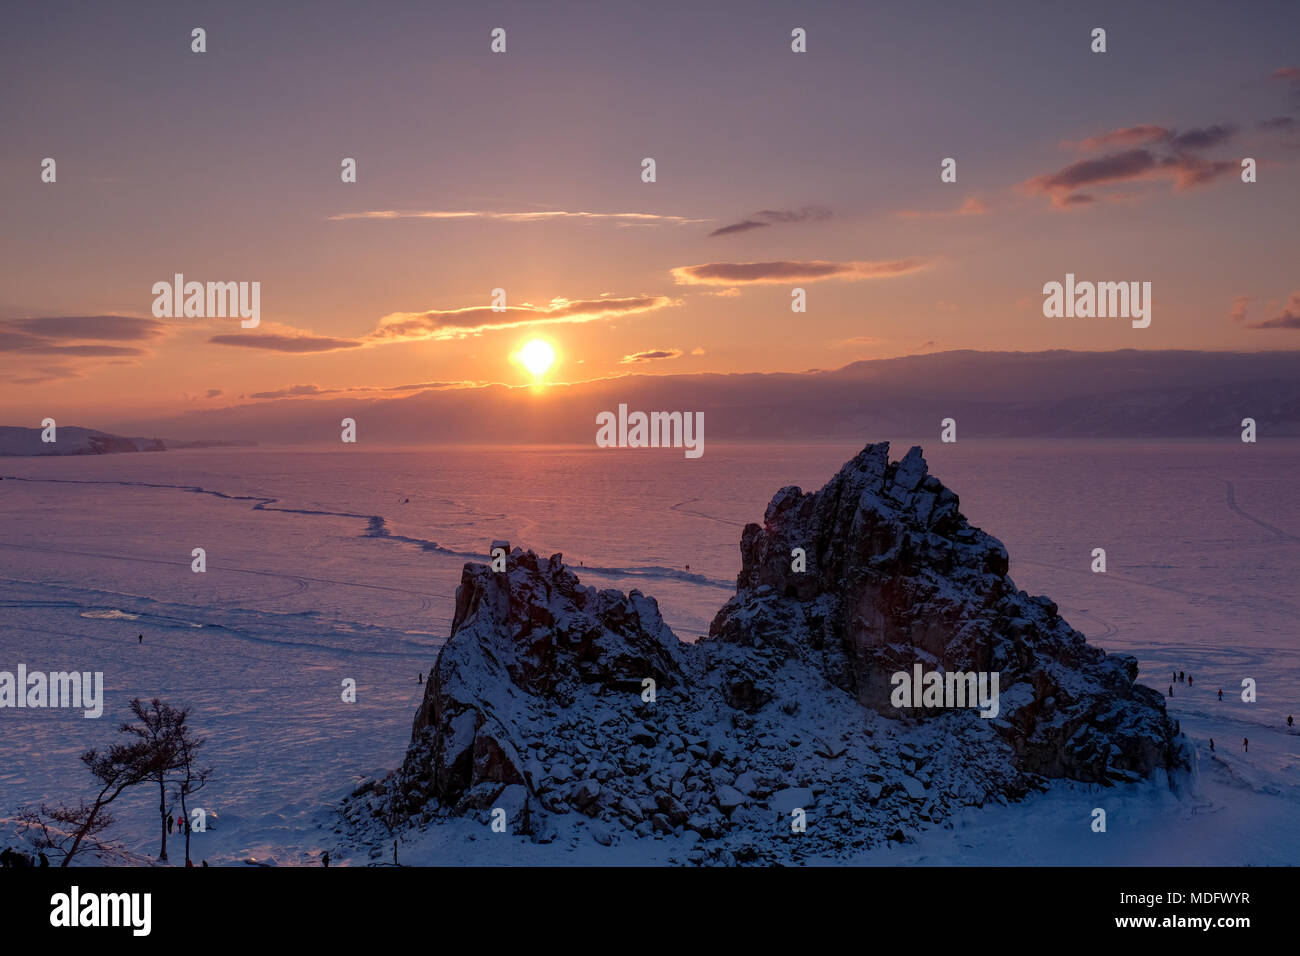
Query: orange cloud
[
  {"x": 447, "y": 324},
  {"x": 457, "y": 323},
  {"x": 1126, "y": 136},
  {"x": 1288, "y": 318},
  {"x": 550, "y": 215},
  {"x": 651, "y": 355}
]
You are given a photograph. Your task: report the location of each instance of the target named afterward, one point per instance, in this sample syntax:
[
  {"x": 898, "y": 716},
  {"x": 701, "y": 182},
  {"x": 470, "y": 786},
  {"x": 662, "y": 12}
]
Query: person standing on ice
[
  {"x": 141, "y": 638},
  {"x": 1220, "y": 693},
  {"x": 1289, "y": 720},
  {"x": 1189, "y": 680},
  {"x": 1245, "y": 744},
  {"x": 1211, "y": 745},
  {"x": 1171, "y": 690},
  {"x": 1180, "y": 677}
]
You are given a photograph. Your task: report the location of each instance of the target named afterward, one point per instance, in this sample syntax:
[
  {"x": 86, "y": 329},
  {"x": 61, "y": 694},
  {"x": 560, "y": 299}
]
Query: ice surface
[{"x": 318, "y": 570}]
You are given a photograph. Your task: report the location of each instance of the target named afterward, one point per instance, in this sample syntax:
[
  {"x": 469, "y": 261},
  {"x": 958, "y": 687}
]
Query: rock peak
[{"x": 552, "y": 698}]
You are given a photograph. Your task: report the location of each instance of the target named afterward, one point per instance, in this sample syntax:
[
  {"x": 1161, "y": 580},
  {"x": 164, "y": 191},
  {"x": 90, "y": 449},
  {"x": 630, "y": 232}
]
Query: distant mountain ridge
[{"x": 1055, "y": 394}]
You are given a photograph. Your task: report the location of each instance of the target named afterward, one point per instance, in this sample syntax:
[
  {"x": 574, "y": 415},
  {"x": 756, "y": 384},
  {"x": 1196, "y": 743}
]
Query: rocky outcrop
[
  {"x": 525, "y": 643},
  {"x": 552, "y": 698},
  {"x": 896, "y": 576}
]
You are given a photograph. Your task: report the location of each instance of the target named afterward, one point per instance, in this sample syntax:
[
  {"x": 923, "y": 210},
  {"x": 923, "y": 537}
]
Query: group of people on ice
[
  {"x": 1180, "y": 677},
  {"x": 10, "y": 857}
]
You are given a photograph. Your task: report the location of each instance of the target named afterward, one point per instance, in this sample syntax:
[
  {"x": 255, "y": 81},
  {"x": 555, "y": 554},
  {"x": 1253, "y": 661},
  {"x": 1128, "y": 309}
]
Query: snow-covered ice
[{"x": 319, "y": 569}]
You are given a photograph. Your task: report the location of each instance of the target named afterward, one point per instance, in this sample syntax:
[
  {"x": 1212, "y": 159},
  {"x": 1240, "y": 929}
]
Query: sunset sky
[{"x": 822, "y": 166}]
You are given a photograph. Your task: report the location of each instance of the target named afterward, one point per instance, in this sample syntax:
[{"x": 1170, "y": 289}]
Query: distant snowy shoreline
[{"x": 19, "y": 442}]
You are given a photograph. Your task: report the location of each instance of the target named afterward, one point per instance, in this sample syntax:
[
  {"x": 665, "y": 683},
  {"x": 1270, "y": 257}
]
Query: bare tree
[
  {"x": 58, "y": 826},
  {"x": 71, "y": 829},
  {"x": 156, "y": 734},
  {"x": 163, "y": 751},
  {"x": 189, "y": 778}
]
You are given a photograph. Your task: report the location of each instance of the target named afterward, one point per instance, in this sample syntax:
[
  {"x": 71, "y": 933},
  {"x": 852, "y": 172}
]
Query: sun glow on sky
[
  {"x": 609, "y": 277},
  {"x": 537, "y": 356}
]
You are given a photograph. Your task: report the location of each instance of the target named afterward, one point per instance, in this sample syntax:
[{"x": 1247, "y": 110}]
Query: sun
[{"x": 537, "y": 356}]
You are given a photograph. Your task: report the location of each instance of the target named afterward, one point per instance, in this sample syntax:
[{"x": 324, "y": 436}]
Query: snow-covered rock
[
  {"x": 896, "y": 576},
  {"x": 786, "y": 704}
]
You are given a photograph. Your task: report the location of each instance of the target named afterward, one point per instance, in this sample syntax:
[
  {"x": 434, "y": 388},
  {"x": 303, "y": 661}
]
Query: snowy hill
[{"x": 73, "y": 440}]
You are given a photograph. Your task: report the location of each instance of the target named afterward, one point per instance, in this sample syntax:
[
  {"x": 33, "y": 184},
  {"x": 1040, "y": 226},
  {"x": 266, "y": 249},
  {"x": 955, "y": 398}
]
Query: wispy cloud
[
  {"x": 768, "y": 217},
  {"x": 1288, "y": 318},
  {"x": 651, "y": 355},
  {"x": 787, "y": 270},
  {"x": 313, "y": 390},
  {"x": 1239, "y": 306},
  {"x": 745, "y": 225},
  {"x": 42, "y": 374},
  {"x": 1150, "y": 134},
  {"x": 73, "y": 337},
  {"x": 297, "y": 391},
  {"x": 971, "y": 206},
  {"x": 293, "y": 341},
  {"x": 417, "y": 386},
  {"x": 1120, "y": 138},
  {"x": 86, "y": 351},
  {"x": 457, "y": 323},
  {"x": 1204, "y": 137},
  {"x": 1185, "y": 172},
  {"x": 447, "y": 324},
  {"x": 546, "y": 215},
  {"x": 1288, "y": 77},
  {"x": 76, "y": 328}
]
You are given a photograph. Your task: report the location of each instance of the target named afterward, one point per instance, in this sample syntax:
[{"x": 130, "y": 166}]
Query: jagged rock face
[
  {"x": 895, "y": 576},
  {"x": 535, "y": 703},
  {"x": 527, "y": 636}
]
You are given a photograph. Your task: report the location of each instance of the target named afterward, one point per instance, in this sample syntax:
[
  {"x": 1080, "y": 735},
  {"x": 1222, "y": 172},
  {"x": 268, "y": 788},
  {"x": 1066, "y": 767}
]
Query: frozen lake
[{"x": 332, "y": 564}]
